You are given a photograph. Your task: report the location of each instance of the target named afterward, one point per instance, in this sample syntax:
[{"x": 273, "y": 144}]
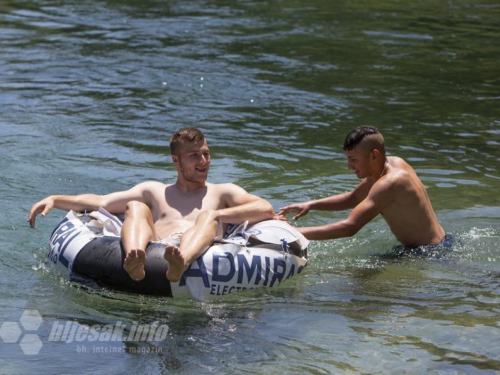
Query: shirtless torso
[
  {"x": 405, "y": 205},
  {"x": 154, "y": 210},
  {"x": 176, "y": 211},
  {"x": 389, "y": 187}
]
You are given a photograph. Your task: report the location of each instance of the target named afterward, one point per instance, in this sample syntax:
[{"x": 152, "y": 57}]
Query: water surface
[{"x": 90, "y": 92}]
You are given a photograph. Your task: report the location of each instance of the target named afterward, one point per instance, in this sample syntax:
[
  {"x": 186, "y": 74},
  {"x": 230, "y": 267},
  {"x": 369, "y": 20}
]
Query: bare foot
[
  {"x": 176, "y": 263},
  {"x": 134, "y": 264}
]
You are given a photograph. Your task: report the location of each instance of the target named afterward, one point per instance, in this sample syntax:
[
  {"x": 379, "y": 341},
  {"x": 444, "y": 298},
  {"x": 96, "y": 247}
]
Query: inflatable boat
[{"x": 88, "y": 248}]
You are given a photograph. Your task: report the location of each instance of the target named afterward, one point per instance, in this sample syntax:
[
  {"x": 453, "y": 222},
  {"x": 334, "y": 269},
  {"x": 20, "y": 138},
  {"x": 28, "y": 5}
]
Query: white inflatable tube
[{"x": 264, "y": 255}]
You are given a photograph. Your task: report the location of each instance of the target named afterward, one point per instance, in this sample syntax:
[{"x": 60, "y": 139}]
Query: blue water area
[{"x": 90, "y": 92}]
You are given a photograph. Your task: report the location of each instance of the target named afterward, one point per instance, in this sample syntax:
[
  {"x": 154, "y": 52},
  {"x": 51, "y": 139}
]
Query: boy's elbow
[
  {"x": 351, "y": 229},
  {"x": 93, "y": 201}
]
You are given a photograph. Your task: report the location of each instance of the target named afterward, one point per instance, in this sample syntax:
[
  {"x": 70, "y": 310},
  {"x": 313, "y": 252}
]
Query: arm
[
  {"x": 114, "y": 203},
  {"x": 362, "y": 214},
  {"x": 338, "y": 202},
  {"x": 241, "y": 206}
]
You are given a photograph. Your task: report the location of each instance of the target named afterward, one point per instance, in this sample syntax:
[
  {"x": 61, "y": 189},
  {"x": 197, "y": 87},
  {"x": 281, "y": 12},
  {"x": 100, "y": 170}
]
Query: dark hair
[
  {"x": 355, "y": 137},
  {"x": 183, "y": 136}
]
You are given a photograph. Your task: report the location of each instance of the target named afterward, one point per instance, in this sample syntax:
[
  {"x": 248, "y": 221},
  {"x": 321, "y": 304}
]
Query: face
[
  {"x": 360, "y": 161},
  {"x": 193, "y": 161}
]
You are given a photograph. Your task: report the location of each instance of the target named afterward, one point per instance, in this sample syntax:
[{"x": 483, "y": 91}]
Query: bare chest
[{"x": 172, "y": 206}]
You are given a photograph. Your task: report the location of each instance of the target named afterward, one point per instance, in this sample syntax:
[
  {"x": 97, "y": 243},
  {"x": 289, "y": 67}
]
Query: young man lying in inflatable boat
[
  {"x": 389, "y": 187},
  {"x": 191, "y": 209}
]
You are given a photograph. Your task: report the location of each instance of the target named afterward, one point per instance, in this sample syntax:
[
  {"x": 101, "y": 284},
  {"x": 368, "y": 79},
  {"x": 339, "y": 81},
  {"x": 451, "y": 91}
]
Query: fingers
[
  {"x": 31, "y": 220},
  {"x": 32, "y": 216},
  {"x": 47, "y": 209},
  {"x": 43, "y": 206},
  {"x": 287, "y": 209},
  {"x": 301, "y": 209},
  {"x": 280, "y": 217}
]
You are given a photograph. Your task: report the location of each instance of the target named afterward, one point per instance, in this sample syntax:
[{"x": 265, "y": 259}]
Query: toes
[
  {"x": 134, "y": 264},
  {"x": 171, "y": 250}
]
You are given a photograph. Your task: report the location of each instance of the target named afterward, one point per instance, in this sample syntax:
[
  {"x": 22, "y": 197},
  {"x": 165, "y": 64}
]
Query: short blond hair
[{"x": 184, "y": 135}]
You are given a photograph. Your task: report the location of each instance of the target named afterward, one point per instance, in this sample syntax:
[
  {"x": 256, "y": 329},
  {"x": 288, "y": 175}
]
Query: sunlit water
[{"x": 90, "y": 92}]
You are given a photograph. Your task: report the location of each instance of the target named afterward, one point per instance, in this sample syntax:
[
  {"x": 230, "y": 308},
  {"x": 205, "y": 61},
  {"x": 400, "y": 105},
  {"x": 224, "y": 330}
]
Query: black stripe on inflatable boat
[{"x": 101, "y": 260}]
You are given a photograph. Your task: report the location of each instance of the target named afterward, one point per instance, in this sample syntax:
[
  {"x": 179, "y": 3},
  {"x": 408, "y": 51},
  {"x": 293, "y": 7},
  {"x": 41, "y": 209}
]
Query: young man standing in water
[
  {"x": 389, "y": 187},
  {"x": 191, "y": 209}
]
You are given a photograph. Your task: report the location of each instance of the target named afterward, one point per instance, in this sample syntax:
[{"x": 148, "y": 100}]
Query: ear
[
  {"x": 175, "y": 159},
  {"x": 375, "y": 154}
]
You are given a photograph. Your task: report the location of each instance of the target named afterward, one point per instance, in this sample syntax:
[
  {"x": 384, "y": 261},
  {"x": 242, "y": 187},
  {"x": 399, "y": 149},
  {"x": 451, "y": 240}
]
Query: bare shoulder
[
  {"x": 150, "y": 186},
  {"x": 389, "y": 187},
  {"x": 231, "y": 194},
  {"x": 398, "y": 163},
  {"x": 400, "y": 175}
]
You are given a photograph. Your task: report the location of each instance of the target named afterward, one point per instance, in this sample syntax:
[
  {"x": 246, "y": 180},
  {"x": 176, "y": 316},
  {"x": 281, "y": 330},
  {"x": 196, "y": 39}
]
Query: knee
[
  {"x": 136, "y": 208},
  {"x": 208, "y": 216}
]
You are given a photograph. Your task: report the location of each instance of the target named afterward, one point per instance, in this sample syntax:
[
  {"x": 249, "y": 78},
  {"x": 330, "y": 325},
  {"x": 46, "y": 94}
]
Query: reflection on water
[{"x": 91, "y": 91}]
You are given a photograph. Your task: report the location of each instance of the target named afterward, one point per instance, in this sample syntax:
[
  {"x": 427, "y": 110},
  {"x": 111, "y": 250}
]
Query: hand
[
  {"x": 301, "y": 208},
  {"x": 279, "y": 217},
  {"x": 43, "y": 207}
]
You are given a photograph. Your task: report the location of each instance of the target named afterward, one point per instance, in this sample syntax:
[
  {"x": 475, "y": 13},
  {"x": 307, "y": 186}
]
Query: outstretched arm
[
  {"x": 115, "y": 202},
  {"x": 64, "y": 202},
  {"x": 241, "y": 206},
  {"x": 337, "y": 202},
  {"x": 363, "y": 213}
]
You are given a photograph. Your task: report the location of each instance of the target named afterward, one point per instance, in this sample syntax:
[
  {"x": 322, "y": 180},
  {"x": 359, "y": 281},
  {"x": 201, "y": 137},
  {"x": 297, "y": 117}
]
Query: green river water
[{"x": 90, "y": 92}]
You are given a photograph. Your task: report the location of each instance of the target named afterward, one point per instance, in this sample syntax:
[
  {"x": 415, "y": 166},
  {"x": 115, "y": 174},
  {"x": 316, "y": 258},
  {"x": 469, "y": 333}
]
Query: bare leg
[
  {"x": 194, "y": 242},
  {"x": 138, "y": 229}
]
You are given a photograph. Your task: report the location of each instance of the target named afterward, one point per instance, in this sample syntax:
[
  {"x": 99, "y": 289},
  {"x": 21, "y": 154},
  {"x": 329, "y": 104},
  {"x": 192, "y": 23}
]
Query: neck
[
  {"x": 378, "y": 172},
  {"x": 385, "y": 167},
  {"x": 189, "y": 186}
]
